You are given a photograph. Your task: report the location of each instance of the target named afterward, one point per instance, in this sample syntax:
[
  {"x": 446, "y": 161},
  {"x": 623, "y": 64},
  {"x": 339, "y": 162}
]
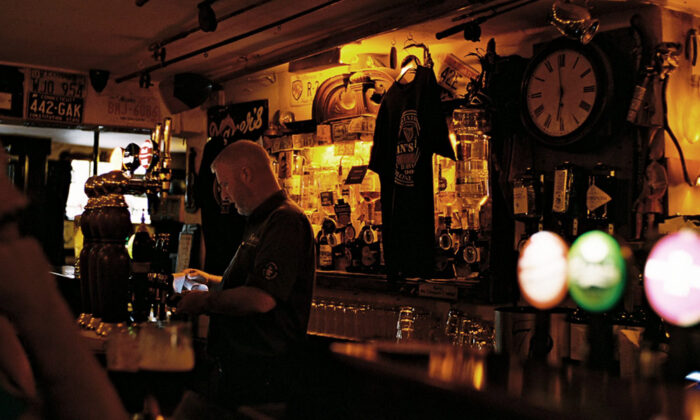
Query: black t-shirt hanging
[
  {"x": 410, "y": 127},
  {"x": 222, "y": 231}
]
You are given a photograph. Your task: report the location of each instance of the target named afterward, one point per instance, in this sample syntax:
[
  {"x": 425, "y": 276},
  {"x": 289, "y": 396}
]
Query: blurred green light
[{"x": 596, "y": 271}]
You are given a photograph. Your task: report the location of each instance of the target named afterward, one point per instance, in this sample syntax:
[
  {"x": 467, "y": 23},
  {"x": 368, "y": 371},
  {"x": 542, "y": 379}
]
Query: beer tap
[{"x": 107, "y": 265}]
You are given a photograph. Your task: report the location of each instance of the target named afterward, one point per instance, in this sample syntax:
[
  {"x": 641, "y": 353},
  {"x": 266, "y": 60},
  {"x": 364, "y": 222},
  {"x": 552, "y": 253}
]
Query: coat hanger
[
  {"x": 409, "y": 64},
  {"x": 427, "y": 58}
]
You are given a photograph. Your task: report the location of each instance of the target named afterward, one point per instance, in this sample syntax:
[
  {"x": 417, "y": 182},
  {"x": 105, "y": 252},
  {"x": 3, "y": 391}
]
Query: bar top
[{"x": 499, "y": 386}]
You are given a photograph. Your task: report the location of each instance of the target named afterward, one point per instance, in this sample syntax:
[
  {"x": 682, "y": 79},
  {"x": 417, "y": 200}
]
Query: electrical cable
[{"x": 667, "y": 127}]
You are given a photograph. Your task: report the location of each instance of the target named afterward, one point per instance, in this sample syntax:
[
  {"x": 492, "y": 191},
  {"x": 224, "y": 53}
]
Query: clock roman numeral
[
  {"x": 548, "y": 121},
  {"x": 536, "y": 95},
  {"x": 561, "y": 125},
  {"x": 562, "y": 60},
  {"x": 575, "y": 62},
  {"x": 585, "y": 106},
  {"x": 589, "y": 88},
  {"x": 575, "y": 119},
  {"x": 585, "y": 73},
  {"x": 539, "y": 110},
  {"x": 539, "y": 79},
  {"x": 549, "y": 66}
]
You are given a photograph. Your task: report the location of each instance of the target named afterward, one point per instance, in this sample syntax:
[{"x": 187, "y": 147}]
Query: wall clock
[{"x": 566, "y": 90}]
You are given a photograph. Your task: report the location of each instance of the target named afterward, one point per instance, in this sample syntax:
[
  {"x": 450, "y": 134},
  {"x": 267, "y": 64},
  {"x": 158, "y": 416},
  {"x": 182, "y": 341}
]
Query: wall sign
[
  {"x": 454, "y": 74},
  {"x": 356, "y": 175},
  {"x": 55, "y": 96},
  {"x": 303, "y": 89},
  {"x": 245, "y": 120}
]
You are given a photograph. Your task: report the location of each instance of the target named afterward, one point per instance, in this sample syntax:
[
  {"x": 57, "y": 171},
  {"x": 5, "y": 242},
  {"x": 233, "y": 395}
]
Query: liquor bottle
[
  {"x": 600, "y": 202},
  {"x": 471, "y": 252},
  {"x": 472, "y": 166},
  {"x": 565, "y": 206},
  {"x": 444, "y": 257},
  {"x": 141, "y": 256},
  {"x": 339, "y": 242},
  {"x": 525, "y": 191},
  {"x": 369, "y": 257},
  {"x": 527, "y": 204},
  {"x": 325, "y": 251}
]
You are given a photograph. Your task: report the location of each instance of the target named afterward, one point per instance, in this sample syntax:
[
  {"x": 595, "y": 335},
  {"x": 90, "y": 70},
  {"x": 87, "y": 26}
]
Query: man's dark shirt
[
  {"x": 277, "y": 256},
  {"x": 222, "y": 231}
]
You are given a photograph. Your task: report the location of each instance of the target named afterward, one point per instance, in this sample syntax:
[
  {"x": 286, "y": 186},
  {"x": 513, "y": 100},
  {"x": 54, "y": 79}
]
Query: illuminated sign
[
  {"x": 672, "y": 278},
  {"x": 596, "y": 271},
  {"x": 542, "y": 270}
]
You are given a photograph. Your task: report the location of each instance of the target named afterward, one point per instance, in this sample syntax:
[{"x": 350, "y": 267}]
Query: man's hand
[
  {"x": 193, "y": 303},
  {"x": 201, "y": 277}
]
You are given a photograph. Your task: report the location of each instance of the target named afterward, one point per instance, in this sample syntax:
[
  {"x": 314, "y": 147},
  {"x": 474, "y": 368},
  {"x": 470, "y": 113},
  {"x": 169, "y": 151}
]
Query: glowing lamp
[
  {"x": 672, "y": 278},
  {"x": 542, "y": 270},
  {"x": 596, "y": 271}
]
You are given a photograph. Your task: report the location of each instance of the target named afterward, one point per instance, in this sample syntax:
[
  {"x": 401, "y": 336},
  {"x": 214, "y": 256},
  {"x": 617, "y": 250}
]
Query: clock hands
[{"x": 561, "y": 87}]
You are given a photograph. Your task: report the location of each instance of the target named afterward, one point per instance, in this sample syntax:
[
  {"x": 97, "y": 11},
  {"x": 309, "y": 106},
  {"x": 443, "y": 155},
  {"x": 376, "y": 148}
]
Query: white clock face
[{"x": 561, "y": 92}]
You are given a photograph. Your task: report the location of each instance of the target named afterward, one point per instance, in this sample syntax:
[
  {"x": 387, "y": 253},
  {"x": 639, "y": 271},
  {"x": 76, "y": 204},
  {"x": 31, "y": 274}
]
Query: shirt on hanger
[{"x": 410, "y": 128}]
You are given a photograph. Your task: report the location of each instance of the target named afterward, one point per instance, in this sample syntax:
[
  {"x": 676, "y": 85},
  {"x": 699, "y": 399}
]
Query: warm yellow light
[
  {"x": 348, "y": 53},
  {"x": 478, "y": 378},
  {"x": 453, "y": 140},
  {"x": 116, "y": 159}
]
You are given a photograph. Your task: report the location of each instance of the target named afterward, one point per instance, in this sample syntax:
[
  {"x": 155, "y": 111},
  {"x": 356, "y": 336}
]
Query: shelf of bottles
[
  {"x": 340, "y": 196},
  {"x": 462, "y": 199}
]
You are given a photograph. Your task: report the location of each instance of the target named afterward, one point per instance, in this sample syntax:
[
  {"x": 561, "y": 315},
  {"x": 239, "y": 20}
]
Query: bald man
[{"x": 260, "y": 307}]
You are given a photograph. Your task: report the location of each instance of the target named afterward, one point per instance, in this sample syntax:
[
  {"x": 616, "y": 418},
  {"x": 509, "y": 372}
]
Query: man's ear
[{"x": 246, "y": 175}]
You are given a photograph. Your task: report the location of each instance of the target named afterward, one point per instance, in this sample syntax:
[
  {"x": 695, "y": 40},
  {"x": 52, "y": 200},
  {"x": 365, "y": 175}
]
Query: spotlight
[
  {"x": 145, "y": 81},
  {"x": 472, "y": 31},
  {"x": 207, "y": 17}
]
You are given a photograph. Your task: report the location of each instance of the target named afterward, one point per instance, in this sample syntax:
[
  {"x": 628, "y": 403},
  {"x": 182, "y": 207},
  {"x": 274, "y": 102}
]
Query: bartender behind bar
[{"x": 260, "y": 307}]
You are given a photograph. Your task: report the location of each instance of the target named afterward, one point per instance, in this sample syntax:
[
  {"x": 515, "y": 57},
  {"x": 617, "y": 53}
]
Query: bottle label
[
  {"x": 595, "y": 197},
  {"x": 325, "y": 256},
  {"x": 519, "y": 200},
  {"x": 560, "y": 203}
]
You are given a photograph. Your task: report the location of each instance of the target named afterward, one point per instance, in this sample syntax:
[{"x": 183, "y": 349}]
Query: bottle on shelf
[
  {"x": 472, "y": 166},
  {"x": 600, "y": 198},
  {"x": 565, "y": 200},
  {"x": 142, "y": 252},
  {"x": 527, "y": 203},
  {"x": 324, "y": 255},
  {"x": 446, "y": 248}
]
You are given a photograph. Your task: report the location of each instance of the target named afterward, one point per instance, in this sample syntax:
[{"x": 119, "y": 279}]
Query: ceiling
[
  {"x": 116, "y": 35},
  {"x": 81, "y": 35}
]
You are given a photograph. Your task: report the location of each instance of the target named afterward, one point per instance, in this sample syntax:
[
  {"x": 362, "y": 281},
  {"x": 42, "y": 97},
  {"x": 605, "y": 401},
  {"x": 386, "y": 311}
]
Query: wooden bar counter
[{"x": 422, "y": 380}]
